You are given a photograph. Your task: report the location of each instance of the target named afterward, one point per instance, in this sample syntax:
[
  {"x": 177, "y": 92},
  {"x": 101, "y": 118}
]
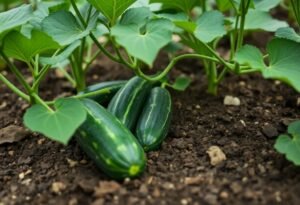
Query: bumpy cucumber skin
[
  {"x": 109, "y": 143},
  {"x": 107, "y": 90},
  {"x": 154, "y": 122},
  {"x": 128, "y": 102}
]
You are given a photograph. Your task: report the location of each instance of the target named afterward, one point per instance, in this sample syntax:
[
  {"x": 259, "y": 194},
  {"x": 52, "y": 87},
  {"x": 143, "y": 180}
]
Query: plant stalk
[{"x": 14, "y": 88}]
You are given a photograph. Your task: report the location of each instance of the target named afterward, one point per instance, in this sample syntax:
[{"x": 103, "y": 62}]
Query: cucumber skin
[
  {"x": 110, "y": 88},
  {"x": 154, "y": 122},
  {"x": 109, "y": 143},
  {"x": 128, "y": 102}
]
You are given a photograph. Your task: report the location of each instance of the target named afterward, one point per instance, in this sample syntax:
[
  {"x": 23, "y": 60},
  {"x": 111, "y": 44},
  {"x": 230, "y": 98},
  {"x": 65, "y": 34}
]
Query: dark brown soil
[{"x": 37, "y": 171}]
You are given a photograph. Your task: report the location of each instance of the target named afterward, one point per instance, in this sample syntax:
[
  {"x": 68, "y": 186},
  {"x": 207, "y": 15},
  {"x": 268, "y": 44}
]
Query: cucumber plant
[{"x": 47, "y": 35}]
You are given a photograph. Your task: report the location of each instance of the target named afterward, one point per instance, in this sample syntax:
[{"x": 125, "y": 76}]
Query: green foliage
[
  {"x": 182, "y": 5},
  {"x": 284, "y": 57},
  {"x": 111, "y": 9},
  {"x": 64, "y": 28},
  {"x": 295, "y": 4},
  {"x": 61, "y": 56},
  {"x": 60, "y": 124},
  {"x": 14, "y": 18},
  {"x": 210, "y": 26},
  {"x": 144, "y": 41},
  {"x": 288, "y": 33},
  {"x": 289, "y": 144},
  {"x": 20, "y": 47},
  {"x": 266, "y": 5},
  {"x": 181, "y": 83},
  {"x": 257, "y": 19}
]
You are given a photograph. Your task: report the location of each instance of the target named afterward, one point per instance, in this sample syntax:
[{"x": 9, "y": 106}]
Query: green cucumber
[
  {"x": 154, "y": 122},
  {"x": 109, "y": 143},
  {"x": 104, "y": 91},
  {"x": 128, "y": 102}
]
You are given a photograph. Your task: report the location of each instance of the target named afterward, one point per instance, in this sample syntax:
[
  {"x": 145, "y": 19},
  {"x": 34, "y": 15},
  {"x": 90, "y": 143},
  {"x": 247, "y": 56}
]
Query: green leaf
[
  {"x": 266, "y": 5},
  {"x": 111, "y": 9},
  {"x": 22, "y": 48},
  {"x": 64, "y": 55},
  {"x": 256, "y": 19},
  {"x": 144, "y": 42},
  {"x": 136, "y": 16},
  {"x": 210, "y": 26},
  {"x": 64, "y": 28},
  {"x": 15, "y": 17},
  {"x": 224, "y": 5},
  {"x": 284, "y": 58},
  {"x": 290, "y": 144},
  {"x": 181, "y": 83},
  {"x": 186, "y": 25},
  {"x": 41, "y": 11},
  {"x": 182, "y": 5},
  {"x": 251, "y": 56},
  {"x": 180, "y": 16},
  {"x": 288, "y": 33},
  {"x": 145, "y": 3},
  {"x": 59, "y": 125}
]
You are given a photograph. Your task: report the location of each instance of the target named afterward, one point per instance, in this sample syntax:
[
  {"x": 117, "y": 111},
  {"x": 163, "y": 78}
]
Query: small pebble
[
  {"x": 230, "y": 100},
  {"x": 224, "y": 195},
  {"x": 58, "y": 187},
  {"x": 216, "y": 155},
  {"x": 106, "y": 187},
  {"x": 193, "y": 180},
  {"x": 72, "y": 163},
  {"x": 143, "y": 189}
]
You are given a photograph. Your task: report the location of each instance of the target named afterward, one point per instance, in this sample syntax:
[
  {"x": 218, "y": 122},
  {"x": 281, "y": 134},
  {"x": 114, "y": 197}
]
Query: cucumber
[
  {"x": 109, "y": 143},
  {"x": 104, "y": 91},
  {"x": 154, "y": 122},
  {"x": 128, "y": 102}
]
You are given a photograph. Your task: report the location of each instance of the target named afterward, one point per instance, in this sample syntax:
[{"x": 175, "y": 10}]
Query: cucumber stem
[{"x": 14, "y": 88}]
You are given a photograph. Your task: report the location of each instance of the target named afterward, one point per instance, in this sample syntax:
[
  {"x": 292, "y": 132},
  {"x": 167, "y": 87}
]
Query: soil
[{"x": 37, "y": 171}]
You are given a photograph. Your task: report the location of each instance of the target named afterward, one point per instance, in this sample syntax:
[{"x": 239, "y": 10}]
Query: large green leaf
[
  {"x": 288, "y": 33},
  {"x": 289, "y": 144},
  {"x": 136, "y": 16},
  {"x": 15, "y": 17},
  {"x": 225, "y": 5},
  {"x": 59, "y": 125},
  {"x": 111, "y": 9},
  {"x": 210, "y": 26},
  {"x": 284, "y": 58},
  {"x": 144, "y": 42},
  {"x": 142, "y": 3},
  {"x": 257, "y": 19},
  {"x": 41, "y": 11},
  {"x": 64, "y": 28},
  {"x": 18, "y": 46},
  {"x": 182, "y": 5},
  {"x": 266, "y": 5}
]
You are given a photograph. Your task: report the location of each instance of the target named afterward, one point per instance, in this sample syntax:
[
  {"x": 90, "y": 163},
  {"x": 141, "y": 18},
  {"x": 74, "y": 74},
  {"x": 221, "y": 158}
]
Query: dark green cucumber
[
  {"x": 104, "y": 91},
  {"x": 109, "y": 143},
  {"x": 154, "y": 122},
  {"x": 128, "y": 102}
]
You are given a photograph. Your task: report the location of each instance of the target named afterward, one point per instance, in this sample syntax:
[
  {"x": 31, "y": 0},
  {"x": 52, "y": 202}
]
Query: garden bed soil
[{"x": 37, "y": 171}]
